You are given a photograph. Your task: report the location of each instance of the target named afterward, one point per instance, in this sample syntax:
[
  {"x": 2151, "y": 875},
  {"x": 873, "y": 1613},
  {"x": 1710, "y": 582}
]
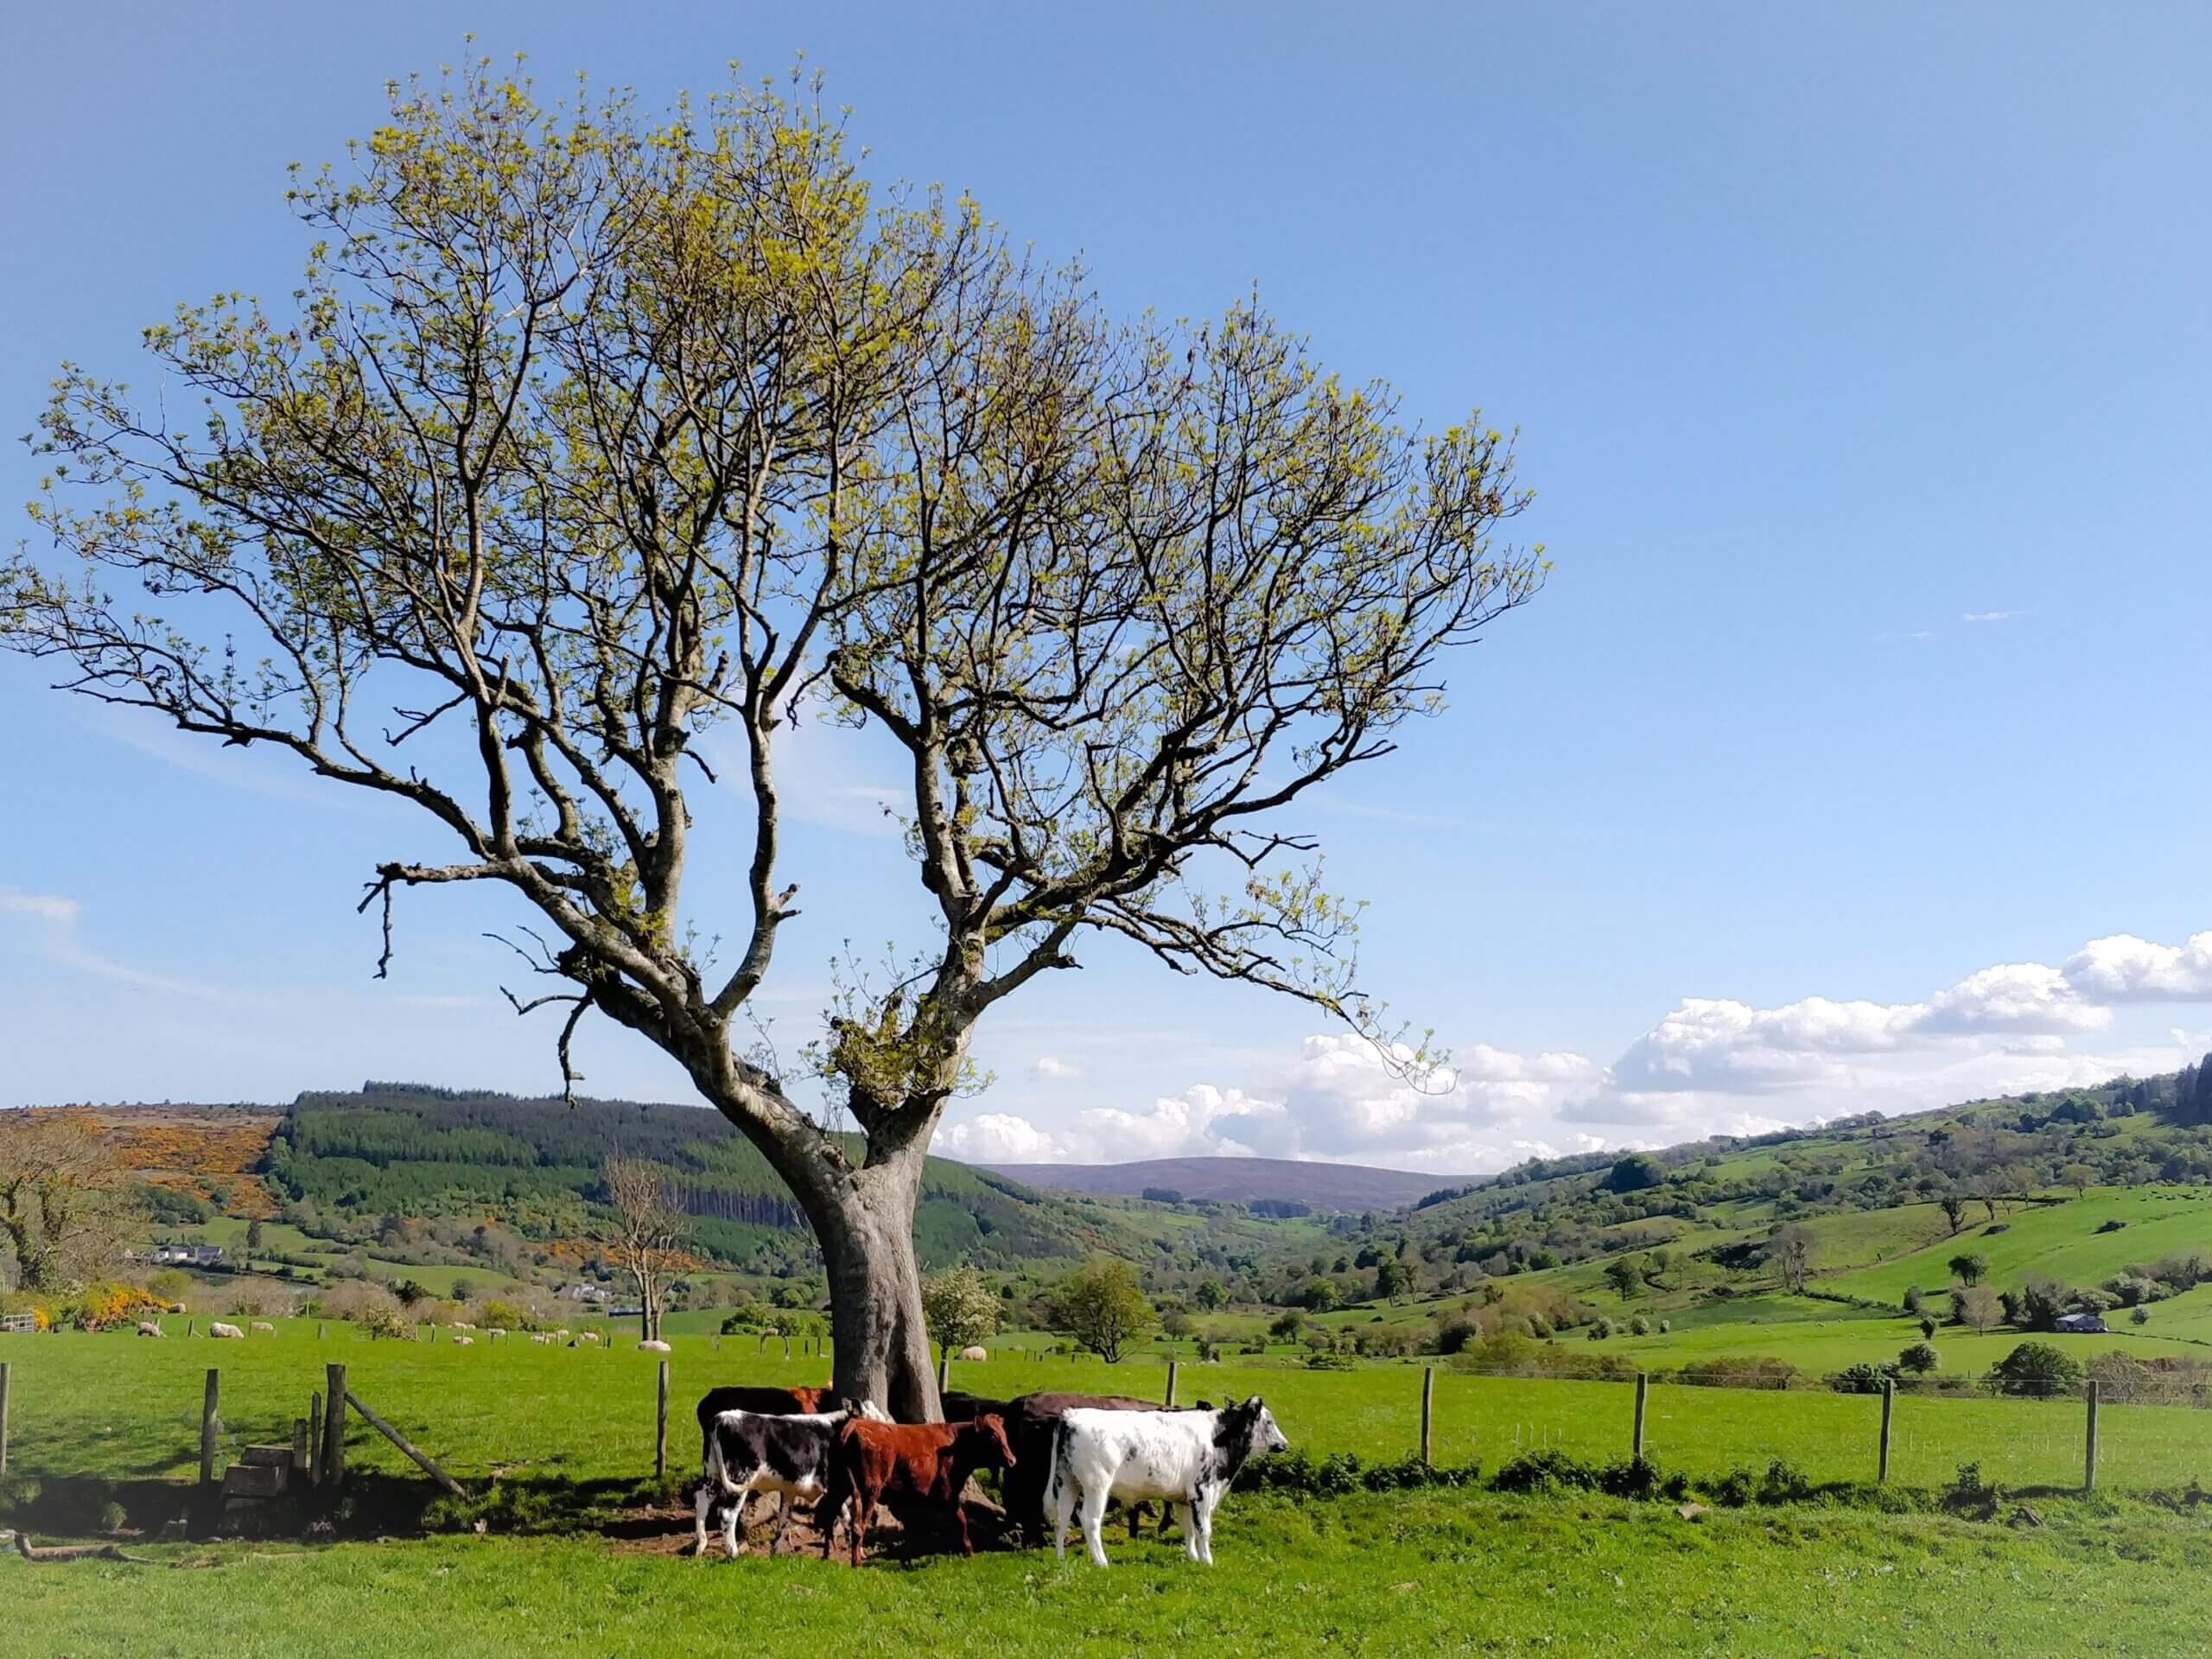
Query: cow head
[
  {"x": 984, "y": 1442},
  {"x": 1256, "y": 1424}
]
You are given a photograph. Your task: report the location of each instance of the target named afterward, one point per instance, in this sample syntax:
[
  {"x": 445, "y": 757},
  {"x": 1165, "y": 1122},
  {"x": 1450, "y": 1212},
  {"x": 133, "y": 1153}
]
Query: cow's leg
[
  {"x": 1063, "y": 1506},
  {"x": 703, "y": 1505},
  {"x": 1094, "y": 1518},
  {"x": 783, "y": 1526},
  {"x": 733, "y": 1523},
  {"x": 1202, "y": 1512},
  {"x": 863, "y": 1509},
  {"x": 959, "y": 1514}
]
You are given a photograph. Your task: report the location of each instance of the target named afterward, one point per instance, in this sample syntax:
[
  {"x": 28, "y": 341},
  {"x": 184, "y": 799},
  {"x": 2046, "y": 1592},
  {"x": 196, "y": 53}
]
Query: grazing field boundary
[{"x": 93, "y": 1411}]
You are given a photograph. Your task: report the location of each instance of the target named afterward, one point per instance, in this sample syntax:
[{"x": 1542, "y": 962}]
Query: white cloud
[
  {"x": 1049, "y": 1070},
  {"x": 1712, "y": 1065},
  {"x": 2124, "y": 968},
  {"x": 1990, "y": 616},
  {"x": 45, "y": 906},
  {"x": 2017, "y": 996},
  {"x": 998, "y": 1138}
]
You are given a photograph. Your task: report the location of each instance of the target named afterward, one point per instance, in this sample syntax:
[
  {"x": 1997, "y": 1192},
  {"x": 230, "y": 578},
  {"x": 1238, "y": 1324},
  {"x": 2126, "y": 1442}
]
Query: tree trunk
[{"x": 875, "y": 1290}]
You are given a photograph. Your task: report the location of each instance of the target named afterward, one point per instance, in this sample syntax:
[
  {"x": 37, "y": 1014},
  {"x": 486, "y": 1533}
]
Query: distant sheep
[
  {"x": 463, "y": 1324},
  {"x": 656, "y": 1347},
  {"x": 976, "y": 1352},
  {"x": 588, "y": 1336},
  {"x": 264, "y": 1325},
  {"x": 148, "y": 1328},
  {"x": 542, "y": 1336},
  {"x": 464, "y": 1342},
  {"x": 219, "y": 1329},
  {"x": 495, "y": 1333}
]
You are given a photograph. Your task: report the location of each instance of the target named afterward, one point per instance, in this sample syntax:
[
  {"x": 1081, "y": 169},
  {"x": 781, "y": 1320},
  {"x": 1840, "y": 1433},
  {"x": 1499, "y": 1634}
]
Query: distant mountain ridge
[{"x": 1240, "y": 1181}]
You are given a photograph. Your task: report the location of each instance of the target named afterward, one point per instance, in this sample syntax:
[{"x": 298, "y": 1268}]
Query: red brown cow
[{"x": 915, "y": 1467}]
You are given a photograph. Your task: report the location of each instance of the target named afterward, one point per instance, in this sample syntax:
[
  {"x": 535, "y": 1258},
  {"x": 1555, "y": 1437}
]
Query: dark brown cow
[
  {"x": 1029, "y": 1424},
  {"x": 915, "y": 1467},
  {"x": 765, "y": 1402}
]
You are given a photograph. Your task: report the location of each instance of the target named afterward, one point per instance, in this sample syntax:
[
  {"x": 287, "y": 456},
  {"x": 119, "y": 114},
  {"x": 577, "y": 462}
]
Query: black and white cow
[
  {"x": 750, "y": 1452},
  {"x": 1187, "y": 1458}
]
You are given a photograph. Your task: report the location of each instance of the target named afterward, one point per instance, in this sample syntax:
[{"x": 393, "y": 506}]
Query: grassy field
[
  {"x": 2060, "y": 1240},
  {"x": 119, "y": 1407},
  {"x": 1422, "y": 1572},
  {"x": 1446, "y": 1572}
]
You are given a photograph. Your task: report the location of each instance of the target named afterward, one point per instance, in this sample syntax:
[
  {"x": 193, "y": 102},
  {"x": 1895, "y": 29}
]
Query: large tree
[{"x": 588, "y": 435}]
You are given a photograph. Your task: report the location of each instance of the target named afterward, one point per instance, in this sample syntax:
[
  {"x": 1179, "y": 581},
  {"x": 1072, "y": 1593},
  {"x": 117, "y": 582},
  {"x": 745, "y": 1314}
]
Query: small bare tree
[
  {"x": 647, "y": 1235},
  {"x": 60, "y": 1209}
]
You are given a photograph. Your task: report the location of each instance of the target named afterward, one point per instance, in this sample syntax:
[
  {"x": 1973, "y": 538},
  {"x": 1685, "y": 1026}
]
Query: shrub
[
  {"x": 1546, "y": 1471},
  {"x": 2037, "y": 1369},
  {"x": 1631, "y": 1477},
  {"x": 1601, "y": 1330},
  {"x": 1733, "y": 1489},
  {"x": 1321, "y": 1360},
  {"x": 1784, "y": 1483},
  {"x": 1453, "y": 1335},
  {"x": 1920, "y": 1359},
  {"x": 1639, "y": 1327},
  {"x": 1760, "y": 1372},
  {"x": 1915, "y": 1299},
  {"x": 1665, "y": 1327},
  {"x": 370, "y": 1305},
  {"x": 2140, "y": 1316},
  {"x": 1865, "y": 1377}
]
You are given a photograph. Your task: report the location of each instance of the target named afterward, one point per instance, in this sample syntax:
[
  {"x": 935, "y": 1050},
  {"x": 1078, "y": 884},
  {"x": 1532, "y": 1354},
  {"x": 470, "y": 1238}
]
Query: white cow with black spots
[{"x": 1185, "y": 1459}]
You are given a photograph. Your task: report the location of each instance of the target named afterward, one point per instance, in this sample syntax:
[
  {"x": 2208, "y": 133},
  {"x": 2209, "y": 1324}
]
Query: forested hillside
[{"x": 414, "y": 1151}]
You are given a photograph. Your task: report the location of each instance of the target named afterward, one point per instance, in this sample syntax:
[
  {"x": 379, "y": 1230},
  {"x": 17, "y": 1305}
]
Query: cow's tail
[
  {"x": 717, "y": 1473},
  {"x": 1063, "y": 1453}
]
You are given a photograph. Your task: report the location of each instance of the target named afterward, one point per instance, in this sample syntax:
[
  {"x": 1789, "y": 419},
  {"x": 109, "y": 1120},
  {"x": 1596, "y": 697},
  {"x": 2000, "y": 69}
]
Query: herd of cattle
[{"x": 1057, "y": 1452}]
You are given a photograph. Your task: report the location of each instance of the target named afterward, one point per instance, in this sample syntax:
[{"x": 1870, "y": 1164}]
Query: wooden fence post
[
  {"x": 4, "y": 1370},
  {"x": 405, "y": 1444},
  {"x": 660, "y": 1427},
  {"x": 315, "y": 1438},
  {"x": 318, "y": 1330},
  {"x": 300, "y": 1447},
  {"x": 944, "y": 1366},
  {"x": 1428, "y": 1411},
  {"x": 1171, "y": 1383},
  {"x": 1889, "y": 1407},
  {"x": 2089, "y": 1461},
  {"x": 210, "y": 1425},
  {"x": 1643, "y": 1396},
  {"x": 189, "y": 1324},
  {"x": 333, "y": 1427}
]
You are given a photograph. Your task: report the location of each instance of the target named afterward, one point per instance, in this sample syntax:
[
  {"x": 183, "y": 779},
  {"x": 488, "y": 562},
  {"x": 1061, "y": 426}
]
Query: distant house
[
  {"x": 581, "y": 1291},
  {"x": 188, "y": 1255},
  {"x": 2078, "y": 1325}
]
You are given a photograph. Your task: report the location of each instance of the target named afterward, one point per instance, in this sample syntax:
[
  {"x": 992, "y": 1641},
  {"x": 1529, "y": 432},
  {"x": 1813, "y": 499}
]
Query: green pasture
[
  {"x": 2061, "y": 1240},
  {"x": 1434, "y": 1573},
  {"x": 118, "y": 1407}
]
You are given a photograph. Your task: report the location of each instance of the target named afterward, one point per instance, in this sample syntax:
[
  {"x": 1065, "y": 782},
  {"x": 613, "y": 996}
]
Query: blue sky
[{"x": 1859, "y": 356}]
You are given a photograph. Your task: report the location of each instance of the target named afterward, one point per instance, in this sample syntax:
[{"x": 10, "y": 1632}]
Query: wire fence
[{"x": 83, "y": 1408}]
